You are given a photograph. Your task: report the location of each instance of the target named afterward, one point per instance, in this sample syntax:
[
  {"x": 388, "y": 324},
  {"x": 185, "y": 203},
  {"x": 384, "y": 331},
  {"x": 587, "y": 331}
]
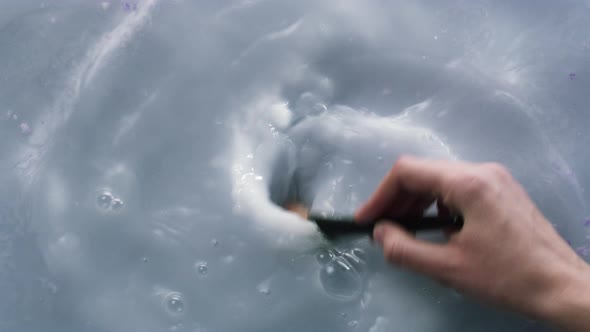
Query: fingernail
[{"x": 378, "y": 233}]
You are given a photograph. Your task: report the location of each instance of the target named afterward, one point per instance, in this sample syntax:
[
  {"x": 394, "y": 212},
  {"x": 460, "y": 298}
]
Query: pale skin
[{"x": 507, "y": 253}]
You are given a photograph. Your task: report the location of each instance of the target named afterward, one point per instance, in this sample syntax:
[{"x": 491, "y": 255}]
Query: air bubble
[
  {"x": 177, "y": 327},
  {"x": 324, "y": 257},
  {"x": 104, "y": 199},
  {"x": 214, "y": 242},
  {"x": 354, "y": 261},
  {"x": 382, "y": 324},
  {"x": 336, "y": 252},
  {"x": 264, "y": 287},
  {"x": 357, "y": 258},
  {"x": 117, "y": 204},
  {"x": 202, "y": 268},
  {"x": 353, "y": 324},
  {"x": 340, "y": 280},
  {"x": 359, "y": 253},
  {"x": 198, "y": 328},
  {"x": 228, "y": 259},
  {"x": 319, "y": 107},
  {"x": 264, "y": 290},
  {"x": 25, "y": 129},
  {"x": 175, "y": 304},
  {"x": 350, "y": 258}
]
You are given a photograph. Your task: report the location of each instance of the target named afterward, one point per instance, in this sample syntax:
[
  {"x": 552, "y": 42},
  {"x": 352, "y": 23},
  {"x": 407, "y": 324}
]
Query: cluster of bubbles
[
  {"x": 263, "y": 289},
  {"x": 108, "y": 202},
  {"x": 341, "y": 272},
  {"x": 352, "y": 324},
  {"x": 180, "y": 327},
  {"x": 24, "y": 127}
]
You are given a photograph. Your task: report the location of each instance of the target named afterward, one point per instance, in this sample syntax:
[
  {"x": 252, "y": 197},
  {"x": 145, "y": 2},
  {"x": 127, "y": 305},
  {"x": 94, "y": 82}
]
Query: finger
[
  {"x": 442, "y": 210},
  {"x": 401, "y": 248},
  {"x": 405, "y": 205},
  {"x": 426, "y": 178},
  {"x": 401, "y": 205},
  {"x": 419, "y": 205},
  {"x": 387, "y": 196},
  {"x": 450, "y": 233}
]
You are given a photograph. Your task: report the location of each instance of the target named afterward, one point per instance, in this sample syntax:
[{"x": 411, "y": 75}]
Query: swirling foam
[{"x": 269, "y": 148}]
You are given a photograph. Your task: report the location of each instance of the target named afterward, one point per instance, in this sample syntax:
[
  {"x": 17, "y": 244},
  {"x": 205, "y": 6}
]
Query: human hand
[{"x": 507, "y": 253}]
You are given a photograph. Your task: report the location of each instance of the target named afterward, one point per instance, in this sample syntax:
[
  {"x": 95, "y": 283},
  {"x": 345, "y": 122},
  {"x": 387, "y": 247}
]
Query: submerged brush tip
[{"x": 298, "y": 208}]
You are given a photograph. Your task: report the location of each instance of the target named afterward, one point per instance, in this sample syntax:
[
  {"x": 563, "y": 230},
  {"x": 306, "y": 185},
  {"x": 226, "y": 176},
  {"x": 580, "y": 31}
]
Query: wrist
[{"x": 567, "y": 304}]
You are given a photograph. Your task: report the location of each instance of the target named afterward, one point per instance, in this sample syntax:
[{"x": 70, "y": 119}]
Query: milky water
[{"x": 145, "y": 143}]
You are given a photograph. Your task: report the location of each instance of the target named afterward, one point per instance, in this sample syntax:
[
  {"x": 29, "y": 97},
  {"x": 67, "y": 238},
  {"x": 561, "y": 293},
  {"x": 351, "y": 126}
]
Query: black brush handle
[{"x": 337, "y": 226}]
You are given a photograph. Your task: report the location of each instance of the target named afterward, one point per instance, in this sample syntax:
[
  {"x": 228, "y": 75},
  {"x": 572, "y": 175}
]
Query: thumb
[{"x": 402, "y": 248}]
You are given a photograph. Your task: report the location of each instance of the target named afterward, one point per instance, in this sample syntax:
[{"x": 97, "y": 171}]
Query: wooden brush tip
[{"x": 298, "y": 208}]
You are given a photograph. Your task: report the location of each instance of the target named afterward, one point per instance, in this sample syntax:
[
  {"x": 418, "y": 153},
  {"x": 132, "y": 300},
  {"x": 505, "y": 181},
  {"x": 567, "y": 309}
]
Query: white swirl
[{"x": 269, "y": 149}]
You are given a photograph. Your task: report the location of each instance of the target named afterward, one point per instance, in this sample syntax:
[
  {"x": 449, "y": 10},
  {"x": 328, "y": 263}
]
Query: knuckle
[
  {"x": 394, "y": 251},
  {"x": 451, "y": 268},
  {"x": 401, "y": 161},
  {"x": 498, "y": 170},
  {"x": 473, "y": 185},
  {"x": 455, "y": 263}
]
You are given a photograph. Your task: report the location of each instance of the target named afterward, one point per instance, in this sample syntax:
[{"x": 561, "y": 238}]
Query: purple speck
[
  {"x": 25, "y": 129},
  {"x": 587, "y": 222},
  {"x": 583, "y": 250},
  {"x": 128, "y": 6},
  {"x": 572, "y": 76}
]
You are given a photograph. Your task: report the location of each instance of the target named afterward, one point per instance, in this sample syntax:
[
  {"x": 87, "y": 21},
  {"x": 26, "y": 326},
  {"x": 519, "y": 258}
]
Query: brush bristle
[{"x": 298, "y": 208}]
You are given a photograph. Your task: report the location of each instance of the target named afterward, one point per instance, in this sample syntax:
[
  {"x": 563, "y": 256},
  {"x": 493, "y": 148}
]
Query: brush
[{"x": 338, "y": 226}]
